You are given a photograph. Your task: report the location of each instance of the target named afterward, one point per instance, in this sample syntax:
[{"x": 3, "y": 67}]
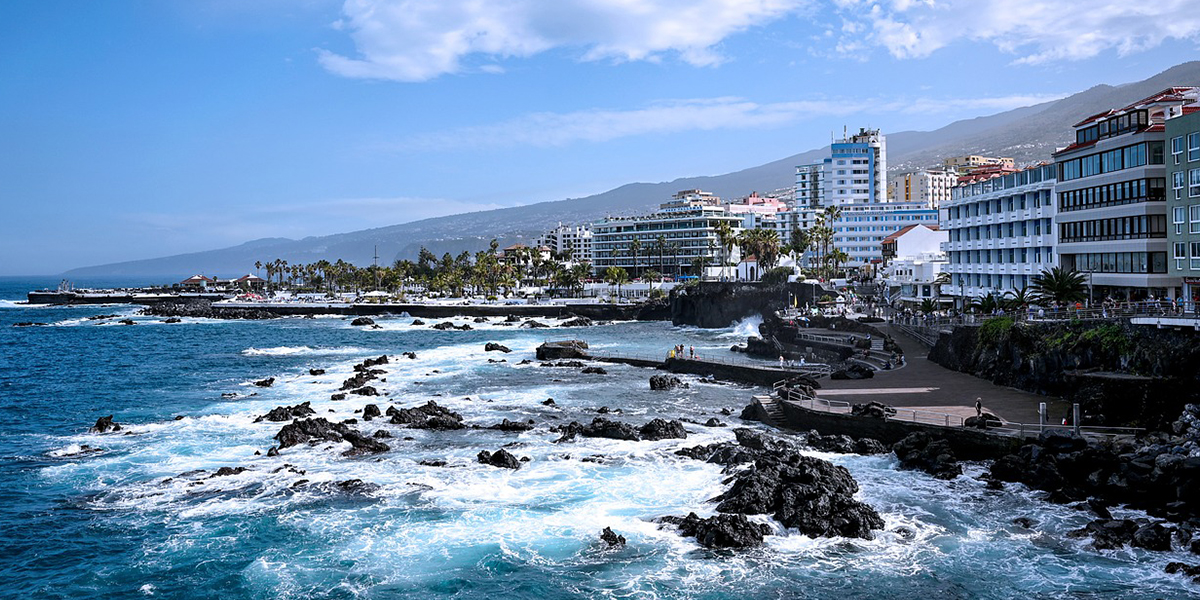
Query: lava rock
[
  {"x": 720, "y": 531},
  {"x": 714, "y": 422},
  {"x": 494, "y": 347},
  {"x": 268, "y": 382},
  {"x": 661, "y": 429},
  {"x": 337, "y": 397},
  {"x": 873, "y": 410},
  {"x": 105, "y": 425},
  {"x": 362, "y": 321},
  {"x": 531, "y": 324},
  {"x": 417, "y": 322},
  {"x": 1185, "y": 569},
  {"x": 287, "y": 413},
  {"x": 853, "y": 371},
  {"x": 577, "y": 322},
  {"x": 428, "y": 416},
  {"x": 612, "y": 539},
  {"x": 382, "y": 434},
  {"x": 507, "y": 425},
  {"x": 365, "y": 390},
  {"x": 595, "y": 371},
  {"x": 315, "y": 372},
  {"x": 934, "y": 456},
  {"x": 1152, "y": 536},
  {"x": 371, "y": 411},
  {"x": 666, "y": 382},
  {"x": 599, "y": 428},
  {"x": 500, "y": 458},
  {"x": 562, "y": 349},
  {"x": 227, "y": 471}
]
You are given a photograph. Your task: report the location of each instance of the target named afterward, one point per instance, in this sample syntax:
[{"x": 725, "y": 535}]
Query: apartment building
[
  {"x": 1112, "y": 211},
  {"x": 574, "y": 241},
  {"x": 1001, "y": 232},
  {"x": 927, "y": 186},
  {"x": 1183, "y": 200}
]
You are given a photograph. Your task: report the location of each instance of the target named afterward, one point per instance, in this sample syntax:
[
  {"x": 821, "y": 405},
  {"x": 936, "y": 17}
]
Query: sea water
[{"x": 144, "y": 516}]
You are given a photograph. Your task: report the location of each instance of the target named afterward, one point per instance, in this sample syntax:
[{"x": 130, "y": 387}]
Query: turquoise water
[{"x": 111, "y": 524}]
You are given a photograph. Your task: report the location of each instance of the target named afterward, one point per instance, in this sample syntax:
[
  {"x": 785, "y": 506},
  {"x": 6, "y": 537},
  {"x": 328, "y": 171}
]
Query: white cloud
[
  {"x": 417, "y": 40},
  {"x": 1036, "y": 31},
  {"x": 675, "y": 116}
]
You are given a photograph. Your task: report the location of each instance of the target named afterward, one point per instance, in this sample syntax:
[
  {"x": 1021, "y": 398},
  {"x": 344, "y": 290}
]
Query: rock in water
[
  {"x": 595, "y": 371},
  {"x": 601, "y": 428},
  {"x": 500, "y": 458},
  {"x": 661, "y": 429},
  {"x": 920, "y": 451},
  {"x": 494, "y": 347},
  {"x": 720, "y": 531},
  {"x": 105, "y": 425},
  {"x": 577, "y": 322},
  {"x": 287, "y": 413},
  {"x": 315, "y": 372},
  {"x": 562, "y": 349},
  {"x": 305, "y": 430},
  {"x": 268, "y": 382},
  {"x": 507, "y": 425},
  {"x": 427, "y": 416},
  {"x": 612, "y": 539},
  {"x": 665, "y": 382},
  {"x": 371, "y": 411},
  {"x": 362, "y": 322},
  {"x": 802, "y": 492}
]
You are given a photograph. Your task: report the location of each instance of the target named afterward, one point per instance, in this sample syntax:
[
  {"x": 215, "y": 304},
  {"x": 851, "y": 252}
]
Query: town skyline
[{"x": 215, "y": 124}]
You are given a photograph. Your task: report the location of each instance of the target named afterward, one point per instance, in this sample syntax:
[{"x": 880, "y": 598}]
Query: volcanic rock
[
  {"x": 287, "y": 413},
  {"x": 853, "y": 371},
  {"x": 315, "y": 372},
  {"x": 665, "y": 382},
  {"x": 562, "y": 349},
  {"x": 500, "y": 458},
  {"x": 371, "y": 411},
  {"x": 427, "y": 416},
  {"x": 611, "y": 539},
  {"x": 595, "y": 371},
  {"x": 661, "y": 429},
  {"x": 494, "y": 347},
  {"x": 104, "y": 425},
  {"x": 362, "y": 321},
  {"x": 920, "y": 451},
  {"x": 366, "y": 390},
  {"x": 268, "y": 382},
  {"x": 720, "y": 531},
  {"x": 507, "y": 425}
]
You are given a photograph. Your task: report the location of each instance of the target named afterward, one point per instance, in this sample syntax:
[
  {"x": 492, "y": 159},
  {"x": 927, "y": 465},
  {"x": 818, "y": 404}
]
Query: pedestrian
[
  {"x": 693, "y": 352},
  {"x": 979, "y": 407},
  {"x": 780, "y": 361}
]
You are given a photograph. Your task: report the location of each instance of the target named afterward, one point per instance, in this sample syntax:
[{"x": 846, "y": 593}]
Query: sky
[{"x": 145, "y": 128}]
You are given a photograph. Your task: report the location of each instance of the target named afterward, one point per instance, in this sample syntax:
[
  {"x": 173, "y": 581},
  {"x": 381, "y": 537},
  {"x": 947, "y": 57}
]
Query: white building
[
  {"x": 672, "y": 240},
  {"x": 569, "y": 240},
  {"x": 910, "y": 280},
  {"x": 854, "y": 173},
  {"x": 1001, "y": 232},
  {"x": 930, "y": 187}
]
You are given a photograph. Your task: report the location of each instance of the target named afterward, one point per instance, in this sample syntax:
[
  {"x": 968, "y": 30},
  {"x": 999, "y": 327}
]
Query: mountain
[{"x": 1028, "y": 134}]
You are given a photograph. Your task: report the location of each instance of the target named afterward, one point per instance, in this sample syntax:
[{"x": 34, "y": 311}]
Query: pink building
[{"x": 754, "y": 203}]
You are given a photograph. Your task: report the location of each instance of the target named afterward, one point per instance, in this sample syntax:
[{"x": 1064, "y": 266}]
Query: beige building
[
  {"x": 928, "y": 187},
  {"x": 965, "y": 164}
]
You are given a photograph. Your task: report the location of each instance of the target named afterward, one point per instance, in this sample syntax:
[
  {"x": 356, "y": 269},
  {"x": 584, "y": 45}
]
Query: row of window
[
  {"x": 1117, "y": 262},
  {"x": 1110, "y": 127},
  {"x": 1118, "y": 228},
  {"x": 1126, "y": 157},
  {"x": 1189, "y": 179},
  {"x": 1003, "y": 256},
  {"x": 1113, "y": 194},
  {"x": 1012, "y": 180},
  {"x": 1193, "y": 147},
  {"x": 1001, "y": 230},
  {"x": 998, "y": 282},
  {"x": 1190, "y": 252},
  {"x": 1035, "y": 199}
]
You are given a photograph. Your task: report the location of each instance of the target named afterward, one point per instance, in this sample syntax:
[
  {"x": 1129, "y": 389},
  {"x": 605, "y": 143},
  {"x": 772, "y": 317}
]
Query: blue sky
[{"x": 144, "y": 128}]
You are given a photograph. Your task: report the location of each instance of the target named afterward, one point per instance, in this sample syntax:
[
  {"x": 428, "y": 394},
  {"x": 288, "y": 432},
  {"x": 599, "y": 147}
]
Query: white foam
[{"x": 303, "y": 350}]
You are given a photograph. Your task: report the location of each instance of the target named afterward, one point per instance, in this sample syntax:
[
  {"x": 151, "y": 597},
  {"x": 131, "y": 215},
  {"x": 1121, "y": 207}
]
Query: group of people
[
  {"x": 785, "y": 363},
  {"x": 682, "y": 351}
]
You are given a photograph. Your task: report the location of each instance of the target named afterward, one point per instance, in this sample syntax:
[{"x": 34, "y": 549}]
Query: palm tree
[
  {"x": 651, "y": 276},
  {"x": 727, "y": 237},
  {"x": 928, "y": 306},
  {"x": 1059, "y": 285},
  {"x": 1019, "y": 299},
  {"x": 634, "y": 247},
  {"x": 616, "y": 276},
  {"x": 987, "y": 304}
]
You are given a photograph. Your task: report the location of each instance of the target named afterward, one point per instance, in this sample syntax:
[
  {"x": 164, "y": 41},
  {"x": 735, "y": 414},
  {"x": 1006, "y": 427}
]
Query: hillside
[{"x": 1028, "y": 134}]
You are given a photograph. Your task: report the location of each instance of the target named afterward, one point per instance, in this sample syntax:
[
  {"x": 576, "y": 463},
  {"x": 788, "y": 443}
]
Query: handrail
[
  {"x": 805, "y": 369},
  {"x": 1006, "y": 428}
]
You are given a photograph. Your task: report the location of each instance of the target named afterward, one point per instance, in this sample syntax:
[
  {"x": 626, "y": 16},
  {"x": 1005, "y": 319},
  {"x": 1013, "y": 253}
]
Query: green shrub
[
  {"x": 995, "y": 329},
  {"x": 777, "y": 275}
]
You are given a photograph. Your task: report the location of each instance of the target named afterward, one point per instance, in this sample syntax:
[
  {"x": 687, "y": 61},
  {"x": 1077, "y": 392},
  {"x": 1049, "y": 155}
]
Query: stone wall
[
  {"x": 1121, "y": 374},
  {"x": 715, "y": 304}
]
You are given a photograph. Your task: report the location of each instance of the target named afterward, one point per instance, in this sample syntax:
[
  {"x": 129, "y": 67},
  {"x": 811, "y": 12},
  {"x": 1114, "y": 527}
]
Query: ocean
[{"x": 145, "y": 516}]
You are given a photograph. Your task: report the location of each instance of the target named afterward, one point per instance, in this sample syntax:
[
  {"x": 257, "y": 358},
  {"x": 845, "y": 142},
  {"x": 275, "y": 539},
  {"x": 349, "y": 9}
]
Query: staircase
[{"x": 775, "y": 415}]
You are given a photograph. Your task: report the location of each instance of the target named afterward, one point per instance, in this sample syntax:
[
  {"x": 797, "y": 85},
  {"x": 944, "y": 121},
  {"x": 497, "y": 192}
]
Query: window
[
  {"x": 1194, "y": 183},
  {"x": 1194, "y": 218},
  {"x": 1177, "y": 148},
  {"x": 1193, "y": 140},
  {"x": 1195, "y": 262}
]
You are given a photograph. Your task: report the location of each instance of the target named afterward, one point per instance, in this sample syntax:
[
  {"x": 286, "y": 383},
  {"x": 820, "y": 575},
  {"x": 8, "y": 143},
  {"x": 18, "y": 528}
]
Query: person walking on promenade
[
  {"x": 780, "y": 361},
  {"x": 979, "y": 407}
]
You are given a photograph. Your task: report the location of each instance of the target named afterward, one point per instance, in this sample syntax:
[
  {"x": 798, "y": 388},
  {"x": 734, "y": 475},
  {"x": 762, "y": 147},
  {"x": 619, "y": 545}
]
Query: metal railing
[
  {"x": 810, "y": 369},
  {"x": 940, "y": 419}
]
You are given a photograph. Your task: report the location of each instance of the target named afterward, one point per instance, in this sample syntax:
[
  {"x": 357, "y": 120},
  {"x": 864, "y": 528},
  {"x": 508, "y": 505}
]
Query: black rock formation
[
  {"x": 661, "y": 429},
  {"x": 612, "y": 540},
  {"x": 666, "y": 382},
  {"x": 287, "y": 413},
  {"x": 104, "y": 425},
  {"x": 562, "y": 349},
  {"x": 427, "y": 416},
  {"x": 720, "y": 531},
  {"x": 268, "y": 382},
  {"x": 934, "y": 456},
  {"x": 500, "y": 458},
  {"x": 362, "y": 321},
  {"x": 494, "y": 347}
]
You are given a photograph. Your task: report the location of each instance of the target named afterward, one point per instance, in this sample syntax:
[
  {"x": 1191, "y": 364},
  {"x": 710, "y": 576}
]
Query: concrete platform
[{"x": 926, "y": 384}]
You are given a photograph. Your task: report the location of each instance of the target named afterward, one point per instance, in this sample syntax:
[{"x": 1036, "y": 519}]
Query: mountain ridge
[{"x": 1028, "y": 134}]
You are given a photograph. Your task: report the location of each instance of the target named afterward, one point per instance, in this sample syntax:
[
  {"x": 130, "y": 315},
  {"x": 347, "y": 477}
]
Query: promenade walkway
[{"x": 925, "y": 385}]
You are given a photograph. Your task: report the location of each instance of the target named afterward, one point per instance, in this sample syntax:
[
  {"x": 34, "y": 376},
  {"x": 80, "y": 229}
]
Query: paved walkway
[{"x": 925, "y": 385}]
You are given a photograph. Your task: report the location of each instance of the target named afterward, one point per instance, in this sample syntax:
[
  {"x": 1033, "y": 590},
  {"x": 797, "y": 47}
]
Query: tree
[
  {"x": 928, "y": 306},
  {"x": 651, "y": 276},
  {"x": 634, "y": 247},
  {"x": 1019, "y": 299},
  {"x": 1059, "y": 285},
  {"x": 616, "y": 276},
  {"x": 727, "y": 237}
]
